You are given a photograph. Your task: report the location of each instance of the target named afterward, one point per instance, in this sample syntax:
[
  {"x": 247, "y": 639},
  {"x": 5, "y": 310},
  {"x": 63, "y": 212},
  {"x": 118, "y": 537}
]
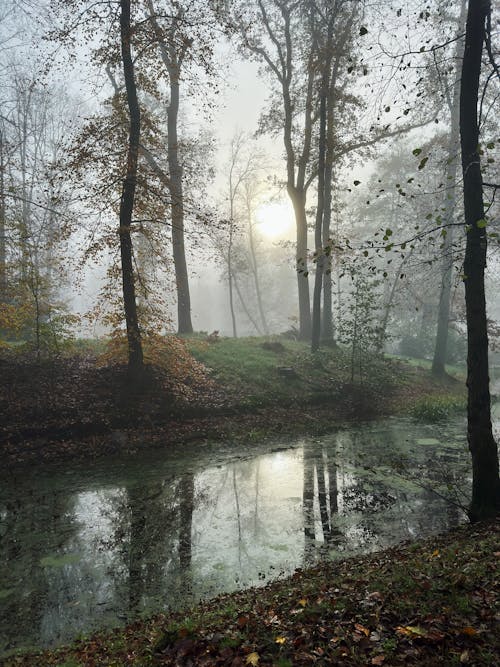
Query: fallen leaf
[
  {"x": 303, "y": 602},
  {"x": 411, "y": 631},
  {"x": 280, "y": 640},
  {"x": 470, "y": 632},
  {"x": 362, "y": 629},
  {"x": 378, "y": 660},
  {"x": 252, "y": 659}
]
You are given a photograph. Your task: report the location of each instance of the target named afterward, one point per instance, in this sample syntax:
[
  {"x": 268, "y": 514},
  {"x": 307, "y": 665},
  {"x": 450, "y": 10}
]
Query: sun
[{"x": 275, "y": 218}]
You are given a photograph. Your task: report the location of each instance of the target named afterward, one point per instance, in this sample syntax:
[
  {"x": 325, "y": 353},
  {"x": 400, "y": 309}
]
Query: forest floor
[
  {"x": 432, "y": 602},
  {"x": 79, "y": 406}
]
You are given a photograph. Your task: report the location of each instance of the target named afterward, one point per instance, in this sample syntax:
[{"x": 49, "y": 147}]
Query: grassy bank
[
  {"x": 426, "y": 603},
  {"x": 201, "y": 388}
]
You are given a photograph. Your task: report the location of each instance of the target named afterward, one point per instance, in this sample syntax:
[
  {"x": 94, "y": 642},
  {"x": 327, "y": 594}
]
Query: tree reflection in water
[{"x": 83, "y": 549}]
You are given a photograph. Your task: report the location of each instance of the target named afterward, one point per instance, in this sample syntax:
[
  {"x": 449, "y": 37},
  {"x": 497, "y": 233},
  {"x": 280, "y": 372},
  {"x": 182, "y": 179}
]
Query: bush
[{"x": 435, "y": 408}]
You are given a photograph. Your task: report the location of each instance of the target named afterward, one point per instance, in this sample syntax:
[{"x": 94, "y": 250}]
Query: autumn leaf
[
  {"x": 378, "y": 660},
  {"x": 302, "y": 602},
  {"x": 411, "y": 631},
  {"x": 361, "y": 628},
  {"x": 280, "y": 640},
  {"x": 252, "y": 659},
  {"x": 469, "y": 631}
]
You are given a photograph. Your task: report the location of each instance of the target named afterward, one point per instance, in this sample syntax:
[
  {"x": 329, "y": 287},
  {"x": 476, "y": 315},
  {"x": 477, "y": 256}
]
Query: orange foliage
[{"x": 183, "y": 374}]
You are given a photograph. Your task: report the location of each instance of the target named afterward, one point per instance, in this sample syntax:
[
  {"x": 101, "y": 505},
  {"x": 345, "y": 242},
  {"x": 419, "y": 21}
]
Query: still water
[{"x": 102, "y": 544}]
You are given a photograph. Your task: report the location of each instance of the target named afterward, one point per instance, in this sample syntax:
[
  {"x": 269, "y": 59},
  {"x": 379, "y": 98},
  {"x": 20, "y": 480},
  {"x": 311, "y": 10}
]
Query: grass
[
  {"x": 436, "y": 408},
  {"x": 252, "y": 370},
  {"x": 428, "y": 603}
]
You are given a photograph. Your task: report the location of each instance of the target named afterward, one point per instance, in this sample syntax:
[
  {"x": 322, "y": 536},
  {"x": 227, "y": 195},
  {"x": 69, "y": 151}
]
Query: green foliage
[
  {"x": 44, "y": 328},
  {"x": 359, "y": 328},
  {"x": 435, "y": 408}
]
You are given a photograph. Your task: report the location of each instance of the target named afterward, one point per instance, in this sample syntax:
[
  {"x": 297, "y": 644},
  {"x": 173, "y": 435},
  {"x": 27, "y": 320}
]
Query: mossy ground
[{"x": 432, "y": 602}]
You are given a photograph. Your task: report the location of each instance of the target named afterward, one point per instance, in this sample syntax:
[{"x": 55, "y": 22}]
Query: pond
[{"x": 99, "y": 545}]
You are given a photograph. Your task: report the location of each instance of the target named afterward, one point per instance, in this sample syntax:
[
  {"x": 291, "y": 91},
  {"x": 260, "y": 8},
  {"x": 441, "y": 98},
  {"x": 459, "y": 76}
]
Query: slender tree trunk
[
  {"x": 230, "y": 279},
  {"x": 327, "y": 328},
  {"x": 135, "y": 356},
  {"x": 173, "y": 63},
  {"x": 3, "y": 244},
  {"x": 440, "y": 350},
  {"x": 245, "y": 307},
  {"x": 389, "y": 303},
  {"x": 254, "y": 263},
  {"x": 332, "y": 98},
  {"x": 184, "y": 324},
  {"x": 320, "y": 209},
  {"x": 299, "y": 206},
  {"x": 485, "y": 479}
]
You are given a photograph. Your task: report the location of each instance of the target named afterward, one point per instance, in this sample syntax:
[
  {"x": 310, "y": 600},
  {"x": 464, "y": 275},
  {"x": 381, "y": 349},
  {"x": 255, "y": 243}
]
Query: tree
[
  {"x": 135, "y": 354},
  {"x": 485, "y": 478},
  {"x": 173, "y": 47},
  {"x": 276, "y": 36},
  {"x": 453, "y": 100}
]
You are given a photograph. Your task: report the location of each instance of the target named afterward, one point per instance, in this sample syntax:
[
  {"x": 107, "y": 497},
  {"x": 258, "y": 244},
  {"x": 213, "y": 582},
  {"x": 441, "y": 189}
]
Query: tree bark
[
  {"x": 135, "y": 355},
  {"x": 184, "y": 324},
  {"x": 230, "y": 278},
  {"x": 3, "y": 244},
  {"x": 320, "y": 240},
  {"x": 173, "y": 63},
  {"x": 440, "y": 350},
  {"x": 485, "y": 479},
  {"x": 298, "y": 199}
]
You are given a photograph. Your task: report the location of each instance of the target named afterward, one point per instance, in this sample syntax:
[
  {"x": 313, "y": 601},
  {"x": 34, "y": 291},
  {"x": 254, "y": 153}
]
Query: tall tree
[
  {"x": 276, "y": 36},
  {"x": 453, "y": 100},
  {"x": 483, "y": 448},
  {"x": 173, "y": 46},
  {"x": 135, "y": 354}
]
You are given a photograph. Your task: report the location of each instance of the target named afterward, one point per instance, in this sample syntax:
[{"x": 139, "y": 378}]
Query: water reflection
[{"x": 95, "y": 547}]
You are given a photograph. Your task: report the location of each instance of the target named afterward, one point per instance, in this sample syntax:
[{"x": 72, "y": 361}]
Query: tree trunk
[
  {"x": 230, "y": 280},
  {"x": 173, "y": 62},
  {"x": 3, "y": 244},
  {"x": 326, "y": 95},
  {"x": 184, "y": 324},
  {"x": 254, "y": 263},
  {"x": 318, "y": 235},
  {"x": 440, "y": 350},
  {"x": 485, "y": 479},
  {"x": 246, "y": 310},
  {"x": 299, "y": 206},
  {"x": 327, "y": 329},
  {"x": 135, "y": 356}
]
